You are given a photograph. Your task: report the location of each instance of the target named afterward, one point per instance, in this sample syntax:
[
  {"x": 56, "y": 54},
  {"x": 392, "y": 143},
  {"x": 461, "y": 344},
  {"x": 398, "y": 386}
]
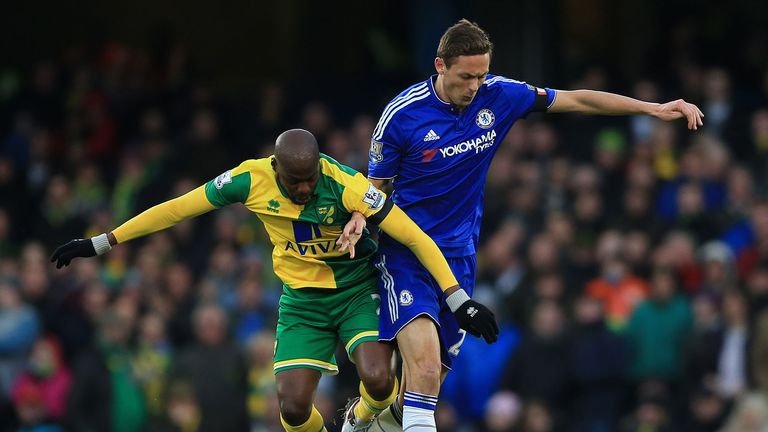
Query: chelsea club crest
[
  {"x": 406, "y": 298},
  {"x": 485, "y": 118}
]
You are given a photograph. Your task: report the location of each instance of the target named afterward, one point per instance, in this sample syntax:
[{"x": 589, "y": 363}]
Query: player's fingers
[
  {"x": 351, "y": 250},
  {"x": 59, "y": 250},
  {"x": 490, "y": 338},
  {"x": 359, "y": 228},
  {"x": 699, "y": 115},
  {"x": 62, "y": 262},
  {"x": 473, "y": 331},
  {"x": 688, "y": 112}
]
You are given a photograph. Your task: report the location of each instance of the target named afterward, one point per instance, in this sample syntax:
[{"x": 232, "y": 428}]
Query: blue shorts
[{"x": 409, "y": 291}]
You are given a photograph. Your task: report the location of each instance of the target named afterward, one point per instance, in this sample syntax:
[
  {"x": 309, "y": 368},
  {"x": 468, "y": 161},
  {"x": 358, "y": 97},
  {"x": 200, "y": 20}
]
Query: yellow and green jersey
[{"x": 304, "y": 236}]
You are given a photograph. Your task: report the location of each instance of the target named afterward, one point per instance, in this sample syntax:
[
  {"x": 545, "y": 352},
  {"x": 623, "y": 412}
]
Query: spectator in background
[
  {"x": 46, "y": 376},
  {"x": 250, "y": 316},
  {"x": 618, "y": 290},
  {"x": 538, "y": 368},
  {"x": 650, "y": 414},
  {"x": 31, "y": 411},
  {"x": 261, "y": 381},
  {"x": 706, "y": 411},
  {"x": 151, "y": 363},
  {"x": 718, "y": 269},
  {"x": 502, "y": 413},
  {"x": 702, "y": 351},
  {"x": 216, "y": 371},
  {"x": 19, "y": 327},
  {"x": 57, "y": 213},
  {"x": 105, "y": 395},
  {"x": 745, "y": 236},
  {"x": 596, "y": 359},
  {"x": 657, "y": 331},
  {"x": 750, "y": 414},
  {"x": 181, "y": 303},
  {"x": 537, "y": 417},
  {"x": 183, "y": 410},
  {"x": 732, "y": 366}
]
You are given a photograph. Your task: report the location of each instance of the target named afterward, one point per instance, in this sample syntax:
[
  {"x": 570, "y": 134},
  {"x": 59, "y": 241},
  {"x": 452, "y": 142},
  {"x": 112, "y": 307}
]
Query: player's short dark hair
[{"x": 463, "y": 38}]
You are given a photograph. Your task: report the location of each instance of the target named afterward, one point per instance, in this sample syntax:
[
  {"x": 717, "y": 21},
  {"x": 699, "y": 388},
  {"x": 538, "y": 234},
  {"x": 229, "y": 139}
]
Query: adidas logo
[{"x": 431, "y": 136}]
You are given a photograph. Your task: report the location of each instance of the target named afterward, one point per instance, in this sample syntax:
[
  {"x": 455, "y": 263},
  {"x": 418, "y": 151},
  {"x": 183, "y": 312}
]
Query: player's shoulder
[
  {"x": 254, "y": 166},
  {"x": 408, "y": 103},
  {"x": 498, "y": 83},
  {"x": 339, "y": 172}
]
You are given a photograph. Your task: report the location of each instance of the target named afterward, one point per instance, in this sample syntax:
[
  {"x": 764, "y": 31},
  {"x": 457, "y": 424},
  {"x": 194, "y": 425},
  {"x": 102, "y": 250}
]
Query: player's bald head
[
  {"x": 297, "y": 164},
  {"x": 297, "y": 151}
]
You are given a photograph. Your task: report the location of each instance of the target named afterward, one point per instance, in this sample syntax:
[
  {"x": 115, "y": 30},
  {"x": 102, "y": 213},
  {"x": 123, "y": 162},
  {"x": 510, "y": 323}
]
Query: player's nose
[{"x": 303, "y": 188}]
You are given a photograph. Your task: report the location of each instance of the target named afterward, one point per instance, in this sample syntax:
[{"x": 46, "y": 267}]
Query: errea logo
[{"x": 273, "y": 206}]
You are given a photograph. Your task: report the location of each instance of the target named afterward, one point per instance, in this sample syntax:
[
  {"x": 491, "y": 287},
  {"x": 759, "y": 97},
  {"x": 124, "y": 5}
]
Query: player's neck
[{"x": 443, "y": 95}]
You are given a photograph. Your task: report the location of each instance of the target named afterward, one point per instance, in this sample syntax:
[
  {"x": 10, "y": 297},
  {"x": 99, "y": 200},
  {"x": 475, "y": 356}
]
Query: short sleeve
[
  {"x": 525, "y": 98},
  {"x": 361, "y": 196},
  {"x": 386, "y": 148},
  {"x": 232, "y": 186}
]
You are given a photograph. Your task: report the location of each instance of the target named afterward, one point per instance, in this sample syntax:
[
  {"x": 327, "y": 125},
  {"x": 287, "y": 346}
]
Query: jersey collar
[{"x": 453, "y": 109}]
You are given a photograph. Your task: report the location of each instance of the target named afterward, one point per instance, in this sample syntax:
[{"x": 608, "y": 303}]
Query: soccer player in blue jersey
[{"x": 433, "y": 144}]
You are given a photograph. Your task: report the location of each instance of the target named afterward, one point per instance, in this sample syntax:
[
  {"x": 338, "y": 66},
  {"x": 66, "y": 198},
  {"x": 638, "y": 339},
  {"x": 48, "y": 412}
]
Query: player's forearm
[
  {"x": 400, "y": 227},
  {"x": 163, "y": 216},
  {"x": 597, "y": 102}
]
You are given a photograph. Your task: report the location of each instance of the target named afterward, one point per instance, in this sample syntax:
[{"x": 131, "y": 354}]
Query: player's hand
[
  {"x": 473, "y": 317},
  {"x": 351, "y": 233},
  {"x": 64, "y": 254},
  {"x": 680, "y": 109}
]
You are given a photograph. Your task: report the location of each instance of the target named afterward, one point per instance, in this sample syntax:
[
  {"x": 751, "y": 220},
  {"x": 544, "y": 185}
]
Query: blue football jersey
[{"x": 438, "y": 157}]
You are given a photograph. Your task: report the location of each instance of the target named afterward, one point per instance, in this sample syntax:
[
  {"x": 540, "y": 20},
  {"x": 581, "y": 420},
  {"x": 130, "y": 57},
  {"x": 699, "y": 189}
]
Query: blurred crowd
[{"x": 626, "y": 259}]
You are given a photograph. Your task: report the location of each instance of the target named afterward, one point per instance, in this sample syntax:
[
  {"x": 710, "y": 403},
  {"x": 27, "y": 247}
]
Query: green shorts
[{"x": 311, "y": 321}]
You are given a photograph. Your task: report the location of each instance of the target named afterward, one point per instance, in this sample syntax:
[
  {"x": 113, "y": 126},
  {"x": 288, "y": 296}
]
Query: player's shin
[
  {"x": 314, "y": 424},
  {"x": 368, "y": 408}
]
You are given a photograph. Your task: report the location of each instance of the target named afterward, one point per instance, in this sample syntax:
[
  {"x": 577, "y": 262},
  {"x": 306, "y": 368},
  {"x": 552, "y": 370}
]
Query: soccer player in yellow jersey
[{"x": 305, "y": 199}]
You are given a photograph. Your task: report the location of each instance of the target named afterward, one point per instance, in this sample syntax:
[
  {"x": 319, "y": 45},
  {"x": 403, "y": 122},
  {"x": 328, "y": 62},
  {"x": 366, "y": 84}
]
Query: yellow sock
[
  {"x": 314, "y": 424},
  {"x": 368, "y": 408}
]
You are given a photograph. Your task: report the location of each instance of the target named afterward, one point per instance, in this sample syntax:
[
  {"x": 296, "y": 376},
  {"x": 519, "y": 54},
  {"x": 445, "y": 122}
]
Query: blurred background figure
[{"x": 216, "y": 371}]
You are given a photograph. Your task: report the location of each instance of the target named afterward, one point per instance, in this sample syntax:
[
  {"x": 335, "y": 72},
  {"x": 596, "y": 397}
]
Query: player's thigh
[
  {"x": 356, "y": 316},
  {"x": 306, "y": 337},
  {"x": 419, "y": 345},
  {"x": 407, "y": 292}
]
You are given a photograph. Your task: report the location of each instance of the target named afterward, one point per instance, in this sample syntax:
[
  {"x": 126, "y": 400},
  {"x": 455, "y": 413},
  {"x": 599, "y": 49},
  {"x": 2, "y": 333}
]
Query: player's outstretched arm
[
  {"x": 472, "y": 316},
  {"x": 157, "y": 218},
  {"x": 597, "y": 102}
]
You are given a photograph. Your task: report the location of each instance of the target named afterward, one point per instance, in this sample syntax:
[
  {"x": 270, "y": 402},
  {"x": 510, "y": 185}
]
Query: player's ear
[
  {"x": 274, "y": 163},
  {"x": 439, "y": 65}
]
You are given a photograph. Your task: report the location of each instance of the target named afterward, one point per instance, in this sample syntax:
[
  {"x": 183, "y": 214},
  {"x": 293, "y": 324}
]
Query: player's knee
[
  {"x": 425, "y": 374},
  {"x": 295, "y": 410},
  {"x": 378, "y": 381}
]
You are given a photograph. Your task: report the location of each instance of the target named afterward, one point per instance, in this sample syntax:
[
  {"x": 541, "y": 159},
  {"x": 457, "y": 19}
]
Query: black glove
[
  {"x": 73, "y": 249},
  {"x": 473, "y": 317}
]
